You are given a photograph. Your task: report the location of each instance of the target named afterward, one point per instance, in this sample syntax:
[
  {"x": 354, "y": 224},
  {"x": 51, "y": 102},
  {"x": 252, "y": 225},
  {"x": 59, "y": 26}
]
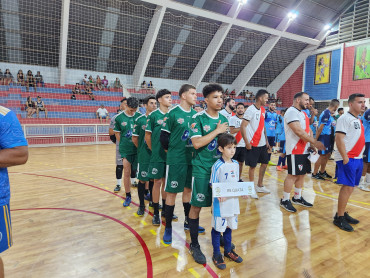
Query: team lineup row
[{"x": 178, "y": 150}]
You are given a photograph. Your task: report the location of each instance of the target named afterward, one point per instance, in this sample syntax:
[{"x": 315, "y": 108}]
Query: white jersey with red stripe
[
  {"x": 293, "y": 144},
  {"x": 236, "y": 122},
  {"x": 354, "y": 140},
  {"x": 256, "y": 127},
  {"x": 227, "y": 114}
]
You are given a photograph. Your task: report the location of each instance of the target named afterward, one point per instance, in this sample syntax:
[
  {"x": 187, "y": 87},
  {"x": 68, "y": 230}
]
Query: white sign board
[{"x": 232, "y": 189}]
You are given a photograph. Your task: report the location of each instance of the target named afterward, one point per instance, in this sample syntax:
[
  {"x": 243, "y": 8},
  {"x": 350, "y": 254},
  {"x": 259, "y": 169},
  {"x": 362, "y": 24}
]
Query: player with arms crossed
[
  {"x": 350, "y": 139},
  {"x": 205, "y": 128},
  {"x": 298, "y": 136}
]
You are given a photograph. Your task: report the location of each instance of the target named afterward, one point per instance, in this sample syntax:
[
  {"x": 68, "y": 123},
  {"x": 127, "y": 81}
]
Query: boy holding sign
[{"x": 224, "y": 179}]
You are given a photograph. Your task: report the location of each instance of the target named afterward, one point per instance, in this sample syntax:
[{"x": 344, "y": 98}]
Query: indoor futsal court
[{"x": 184, "y": 138}]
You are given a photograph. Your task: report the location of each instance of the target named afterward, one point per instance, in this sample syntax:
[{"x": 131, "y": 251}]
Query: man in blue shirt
[
  {"x": 365, "y": 179},
  {"x": 13, "y": 151},
  {"x": 270, "y": 126},
  {"x": 323, "y": 133}
]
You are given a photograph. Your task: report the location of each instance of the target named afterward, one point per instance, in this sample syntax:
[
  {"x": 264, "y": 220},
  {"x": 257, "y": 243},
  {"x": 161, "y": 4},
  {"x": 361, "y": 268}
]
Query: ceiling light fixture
[
  {"x": 327, "y": 26},
  {"x": 242, "y": 2},
  {"x": 292, "y": 14}
]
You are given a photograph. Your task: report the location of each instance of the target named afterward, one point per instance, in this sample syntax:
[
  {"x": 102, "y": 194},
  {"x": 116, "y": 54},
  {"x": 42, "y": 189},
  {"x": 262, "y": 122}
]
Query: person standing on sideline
[
  {"x": 256, "y": 143},
  {"x": 323, "y": 135},
  {"x": 350, "y": 139},
  {"x": 234, "y": 123},
  {"x": 205, "y": 128},
  {"x": 280, "y": 133},
  {"x": 298, "y": 136},
  {"x": 228, "y": 111},
  {"x": 143, "y": 152},
  {"x": 365, "y": 179},
  {"x": 175, "y": 139},
  {"x": 13, "y": 151},
  {"x": 270, "y": 127}
]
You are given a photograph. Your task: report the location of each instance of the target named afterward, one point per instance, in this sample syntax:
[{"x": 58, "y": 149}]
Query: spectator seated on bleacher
[
  {"x": 150, "y": 84},
  {"x": 8, "y": 77},
  {"x": 84, "y": 80},
  {"x": 99, "y": 83},
  {"x": 102, "y": 113},
  {"x": 91, "y": 82},
  {"x": 117, "y": 84},
  {"x": 20, "y": 78},
  {"x": 105, "y": 82},
  {"x": 89, "y": 92},
  {"x": 143, "y": 85},
  {"x": 40, "y": 106},
  {"x": 39, "y": 79},
  {"x": 30, "y": 107},
  {"x": 30, "y": 80},
  {"x": 77, "y": 90}
]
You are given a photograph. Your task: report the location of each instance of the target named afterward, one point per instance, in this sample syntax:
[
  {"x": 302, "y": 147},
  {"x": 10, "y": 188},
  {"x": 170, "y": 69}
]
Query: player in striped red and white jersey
[
  {"x": 350, "y": 139},
  {"x": 298, "y": 139}
]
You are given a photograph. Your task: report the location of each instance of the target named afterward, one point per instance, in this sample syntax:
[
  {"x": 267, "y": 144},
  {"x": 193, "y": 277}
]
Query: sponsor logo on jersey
[
  {"x": 144, "y": 174},
  {"x": 160, "y": 122},
  {"x": 193, "y": 125},
  {"x": 154, "y": 171},
  {"x": 185, "y": 135},
  {"x": 232, "y": 173},
  {"x": 218, "y": 191},
  {"x": 207, "y": 128},
  {"x": 174, "y": 184},
  {"x": 124, "y": 124},
  {"x": 213, "y": 145},
  {"x": 128, "y": 134},
  {"x": 272, "y": 123},
  {"x": 180, "y": 121},
  {"x": 200, "y": 197},
  {"x": 300, "y": 167},
  {"x": 190, "y": 143},
  {"x": 257, "y": 116},
  {"x": 143, "y": 127}
]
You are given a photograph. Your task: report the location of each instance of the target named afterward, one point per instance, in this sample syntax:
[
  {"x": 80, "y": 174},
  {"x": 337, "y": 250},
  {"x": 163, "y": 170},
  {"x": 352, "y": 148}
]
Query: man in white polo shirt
[{"x": 102, "y": 113}]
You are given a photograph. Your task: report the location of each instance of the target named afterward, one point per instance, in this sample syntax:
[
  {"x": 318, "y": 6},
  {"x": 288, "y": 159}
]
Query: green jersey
[
  {"x": 177, "y": 122},
  {"x": 206, "y": 156},
  {"x": 154, "y": 125},
  {"x": 125, "y": 125},
  {"x": 143, "y": 152}
]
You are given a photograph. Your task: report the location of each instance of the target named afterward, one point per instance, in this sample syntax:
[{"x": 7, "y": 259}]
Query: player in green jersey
[
  {"x": 143, "y": 152},
  {"x": 157, "y": 166},
  {"x": 175, "y": 138},
  {"x": 123, "y": 129},
  {"x": 205, "y": 128}
]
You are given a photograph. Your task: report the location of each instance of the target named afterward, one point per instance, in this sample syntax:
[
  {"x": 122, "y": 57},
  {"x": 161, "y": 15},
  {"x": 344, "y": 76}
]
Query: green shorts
[
  {"x": 177, "y": 177},
  {"x": 157, "y": 170},
  {"x": 132, "y": 158},
  {"x": 142, "y": 172},
  {"x": 201, "y": 195}
]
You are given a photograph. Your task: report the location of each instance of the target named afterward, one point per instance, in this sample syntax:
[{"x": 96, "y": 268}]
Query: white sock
[
  {"x": 119, "y": 182},
  {"x": 286, "y": 196},
  {"x": 297, "y": 193},
  {"x": 367, "y": 177}
]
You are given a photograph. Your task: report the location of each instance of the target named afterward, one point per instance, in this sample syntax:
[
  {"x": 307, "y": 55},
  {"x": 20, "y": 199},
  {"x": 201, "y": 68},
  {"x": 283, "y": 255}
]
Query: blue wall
[{"x": 323, "y": 91}]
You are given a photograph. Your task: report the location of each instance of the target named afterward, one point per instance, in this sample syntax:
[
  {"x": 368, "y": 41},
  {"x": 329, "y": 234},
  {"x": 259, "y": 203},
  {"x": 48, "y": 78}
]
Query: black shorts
[
  {"x": 256, "y": 155},
  {"x": 298, "y": 164},
  {"x": 271, "y": 140},
  {"x": 240, "y": 154}
]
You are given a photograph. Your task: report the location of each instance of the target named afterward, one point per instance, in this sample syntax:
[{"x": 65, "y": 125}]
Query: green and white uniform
[
  {"x": 180, "y": 149},
  {"x": 143, "y": 152},
  {"x": 204, "y": 158},
  {"x": 157, "y": 166}
]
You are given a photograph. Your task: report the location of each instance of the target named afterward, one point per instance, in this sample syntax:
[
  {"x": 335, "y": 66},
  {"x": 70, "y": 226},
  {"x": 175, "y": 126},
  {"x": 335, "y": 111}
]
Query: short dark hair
[
  {"x": 297, "y": 95},
  {"x": 124, "y": 99},
  {"x": 261, "y": 93},
  {"x": 240, "y": 103},
  {"x": 353, "y": 97},
  {"x": 132, "y": 102},
  {"x": 162, "y": 93},
  {"x": 146, "y": 100},
  {"x": 184, "y": 88},
  {"x": 340, "y": 109},
  {"x": 210, "y": 88},
  {"x": 311, "y": 98},
  {"x": 334, "y": 102},
  {"x": 228, "y": 100},
  {"x": 226, "y": 139},
  {"x": 282, "y": 111}
]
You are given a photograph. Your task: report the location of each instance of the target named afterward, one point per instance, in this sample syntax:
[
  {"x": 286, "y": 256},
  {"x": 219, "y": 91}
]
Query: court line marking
[
  {"x": 206, "y": 266},
  {"x": 138, "y": 237}
]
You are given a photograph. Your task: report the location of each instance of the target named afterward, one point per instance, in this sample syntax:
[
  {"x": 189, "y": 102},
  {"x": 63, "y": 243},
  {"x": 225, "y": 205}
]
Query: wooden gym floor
[{"x": 68, "y": 223}]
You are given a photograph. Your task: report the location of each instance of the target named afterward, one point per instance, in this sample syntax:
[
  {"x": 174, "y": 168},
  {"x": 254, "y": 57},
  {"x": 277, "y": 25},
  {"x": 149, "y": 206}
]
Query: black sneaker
[
  {"x": 341, "y": 223},
  {"x": 317, "y": 176},
  {"x": 141, "y": 211},
  {"x": 197, "y": 254},
  {"x": 150, "y": 204},
  {"x": 156, "y": 221},
  {"x": 222, "y": 243},
  {"x": 287, "y": 205},
  {"x": 301, "y": 202},
  {"x": 325, "y": 175},
  {"x": 350, "y": 219},
  {"x": 117, "y": 189},
  {"x": 219, "y": 262},
  {"x": 232, "y": 256},
  {"x": 174, "y": 217}
]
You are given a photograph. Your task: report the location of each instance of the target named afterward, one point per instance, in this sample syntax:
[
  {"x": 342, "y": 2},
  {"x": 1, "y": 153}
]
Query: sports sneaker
[
  {"x": 272, "y": 163},
  {"x": 285, "y": 167},
  {"x": 232, "y": 256},
  {"x": 287, "y": 205},
  {"x": 197, "y": 254},
  {"x": 350, "y": 219},
  {"x": 117, "y": 189},
  {"x": 201, "y": 230},
  {"x": 325, "y": 175},
  {"x": 364, "y": 187},
  {"x": 222, "y": 243},
  {"x": 156, "y": 221},
  {"x": 317, "y": 176},
  {"x": 341, "y": 223},
  {"x": 151, "y": 204},
  {"x": 167, "y": 236},
  {"x": 134, "y": 182},
  {"x": 174, "y": 217},
  {"x": 301, "y": 202},
  {"x": 127, "y": 202},
  {"x": 219, "y": 262},
  {"x": 279, "y": 168},
  {"x": 141, "y": 211},
  {"x": 147, "y": 197},
  {"x": 254, "y": 196},
  {"x": 262, "y": 189}
]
